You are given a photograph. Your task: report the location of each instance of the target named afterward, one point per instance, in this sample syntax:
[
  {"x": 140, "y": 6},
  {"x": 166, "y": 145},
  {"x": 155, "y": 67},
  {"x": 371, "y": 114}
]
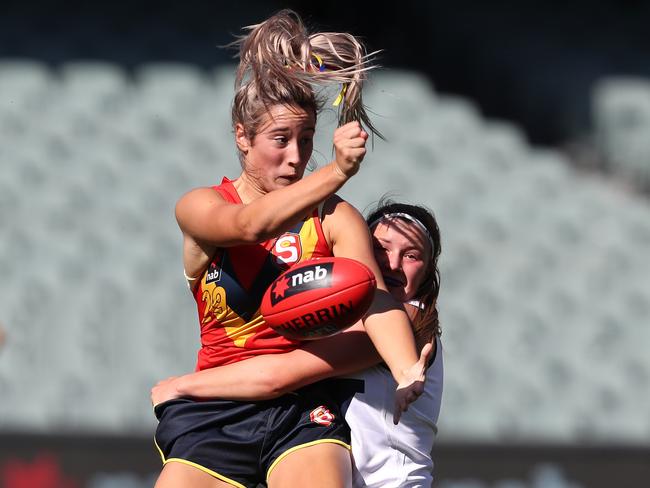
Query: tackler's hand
[
  {"x": 350, "y": 147},
  {"x": 164, "y": 390},
  {"x": 411, "y": 386}
]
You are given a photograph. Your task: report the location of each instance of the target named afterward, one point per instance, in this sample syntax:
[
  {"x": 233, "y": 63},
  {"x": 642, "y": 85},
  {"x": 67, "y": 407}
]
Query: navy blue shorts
[{"x": 240, "y": 442}]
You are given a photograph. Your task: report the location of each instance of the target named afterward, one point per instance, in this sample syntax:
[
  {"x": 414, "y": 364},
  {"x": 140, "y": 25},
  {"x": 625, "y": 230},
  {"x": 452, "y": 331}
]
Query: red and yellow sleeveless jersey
[{"x": 229, "y": 294}]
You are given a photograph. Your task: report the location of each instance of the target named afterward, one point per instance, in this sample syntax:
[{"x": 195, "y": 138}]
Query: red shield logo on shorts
[{"x": 321, "y": 415}]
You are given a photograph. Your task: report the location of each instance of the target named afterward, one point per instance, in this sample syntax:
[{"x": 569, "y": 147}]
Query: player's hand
[
  {"x": 350, "y": 148},
  {"x": 164, "y": 390},
  {"x": 412, "y": 384}
]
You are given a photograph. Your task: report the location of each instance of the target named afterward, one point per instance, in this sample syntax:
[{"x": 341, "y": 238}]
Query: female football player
[
  {"x": 240, "y": 235},
  {"x": 406, "y": 247}
]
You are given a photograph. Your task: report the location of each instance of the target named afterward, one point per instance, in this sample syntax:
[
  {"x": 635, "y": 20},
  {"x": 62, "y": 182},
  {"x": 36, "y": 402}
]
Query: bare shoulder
[
  {"x": 196, "y": 204},
  {"x": 337, "y": 215},
  {"x": 336, "y": 208},
  {"x": 199, "y": 196}
]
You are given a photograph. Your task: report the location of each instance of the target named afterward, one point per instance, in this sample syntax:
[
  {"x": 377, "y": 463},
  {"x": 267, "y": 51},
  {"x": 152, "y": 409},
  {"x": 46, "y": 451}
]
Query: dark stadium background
[{"x": 533, "y": 63}]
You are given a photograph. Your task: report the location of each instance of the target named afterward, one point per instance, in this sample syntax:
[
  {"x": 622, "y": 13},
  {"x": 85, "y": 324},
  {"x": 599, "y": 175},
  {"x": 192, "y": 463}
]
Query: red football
[{"x": 318, "y": 297}]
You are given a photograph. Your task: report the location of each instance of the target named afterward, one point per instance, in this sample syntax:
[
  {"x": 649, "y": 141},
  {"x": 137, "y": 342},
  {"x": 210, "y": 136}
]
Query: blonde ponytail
[{"x": 281, "y": 63}]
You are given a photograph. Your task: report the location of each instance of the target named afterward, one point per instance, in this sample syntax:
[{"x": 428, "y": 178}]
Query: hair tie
[
  {"x": 321, "y": 65},
  {"x": 340, "y": 96},
  {"x": 404, "y": 216}
]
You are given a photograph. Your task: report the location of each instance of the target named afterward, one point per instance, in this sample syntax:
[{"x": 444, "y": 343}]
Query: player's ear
[{"x": 241, "y": 139}]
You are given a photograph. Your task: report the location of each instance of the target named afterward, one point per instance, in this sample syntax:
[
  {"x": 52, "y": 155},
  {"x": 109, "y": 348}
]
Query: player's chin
[{"x": 284, "y": 181}]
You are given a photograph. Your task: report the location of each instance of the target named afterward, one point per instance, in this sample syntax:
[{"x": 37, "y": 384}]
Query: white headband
[{"x": 405, "y": 216}]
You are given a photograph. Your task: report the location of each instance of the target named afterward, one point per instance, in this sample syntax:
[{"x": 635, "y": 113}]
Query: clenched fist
[{"x": 350, "y": 147}]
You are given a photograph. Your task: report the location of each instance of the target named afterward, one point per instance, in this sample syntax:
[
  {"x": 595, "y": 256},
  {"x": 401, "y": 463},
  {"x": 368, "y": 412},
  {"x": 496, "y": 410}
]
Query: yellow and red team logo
[
  {"x": 321, "y": 416},
  {"x": 287, "y": 249}
]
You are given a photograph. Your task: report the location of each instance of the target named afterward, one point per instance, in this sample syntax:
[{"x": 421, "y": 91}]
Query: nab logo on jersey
[
  {"x": 214, "y": 270},
  {"x": 304, "y": 279},
  {"x": 287, "y": 249}
]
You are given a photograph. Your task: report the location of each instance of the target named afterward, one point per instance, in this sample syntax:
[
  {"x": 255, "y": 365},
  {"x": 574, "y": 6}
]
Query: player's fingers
[
  {"x": 347, "y": 131},
  {"x": 356, "y": 142},
  {"x": 351, "y": 126},
  {"x": 397, "y": 413},
  {"x": 404, "y": 397},
  {"x": 413, "y": 395},
  {"x": 425, "y": 354},
  {"x": 343, "y": 129}
]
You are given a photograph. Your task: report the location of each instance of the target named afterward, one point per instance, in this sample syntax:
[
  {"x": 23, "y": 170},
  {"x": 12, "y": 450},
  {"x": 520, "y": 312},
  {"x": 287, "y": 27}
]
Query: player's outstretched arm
[
  {"x": 386, "y": 321},
  {"x": 272, "y": 375},
  {"x": 201, "y": 213},
  {"x": 413, "y": 385}
]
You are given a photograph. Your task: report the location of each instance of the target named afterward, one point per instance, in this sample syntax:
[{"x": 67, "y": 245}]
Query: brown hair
[
  {"x": 280, "y": 62},
  {"x": 426, "y": 323}
]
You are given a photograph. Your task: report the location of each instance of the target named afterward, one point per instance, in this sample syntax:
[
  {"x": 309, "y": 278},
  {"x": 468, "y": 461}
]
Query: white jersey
[{"x": 387, "y": 455}]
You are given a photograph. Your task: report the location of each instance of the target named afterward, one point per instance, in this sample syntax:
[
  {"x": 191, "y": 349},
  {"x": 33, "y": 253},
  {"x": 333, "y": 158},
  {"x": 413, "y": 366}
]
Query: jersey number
[{"x": 212, "y": 299}]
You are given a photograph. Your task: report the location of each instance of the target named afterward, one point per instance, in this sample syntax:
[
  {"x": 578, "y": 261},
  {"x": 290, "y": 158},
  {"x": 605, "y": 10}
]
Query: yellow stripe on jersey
[{"x": 233, "y": 284}]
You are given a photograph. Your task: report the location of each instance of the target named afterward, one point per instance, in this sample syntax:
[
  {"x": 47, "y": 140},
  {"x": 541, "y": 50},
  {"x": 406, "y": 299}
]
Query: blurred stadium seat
[
  {"x": 21, "y": 80},
  {"x": 93, "y": 86},
  {"x": 621, "y": 114},
  {"x": 545, "y": 291}
]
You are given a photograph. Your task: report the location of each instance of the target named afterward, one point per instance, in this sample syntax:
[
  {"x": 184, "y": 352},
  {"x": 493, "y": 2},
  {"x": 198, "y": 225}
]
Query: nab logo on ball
[
  {"x": 316, "y": 276},
  {"x": 318, "y": 298}
]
